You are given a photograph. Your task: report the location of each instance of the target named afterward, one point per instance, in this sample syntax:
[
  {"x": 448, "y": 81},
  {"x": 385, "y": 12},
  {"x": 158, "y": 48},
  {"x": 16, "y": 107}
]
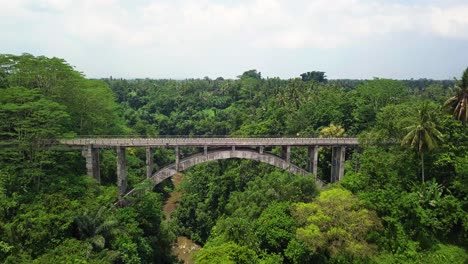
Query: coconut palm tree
[
  {"x": 459, "y": 102},
  {"x": 423, "y": 135},
  {"x": 95, "y": 227}
]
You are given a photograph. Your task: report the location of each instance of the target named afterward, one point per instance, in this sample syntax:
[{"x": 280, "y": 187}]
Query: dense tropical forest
[{"x": 403, "y": 198}]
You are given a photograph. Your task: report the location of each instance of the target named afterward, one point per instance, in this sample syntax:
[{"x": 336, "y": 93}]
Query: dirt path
[{"x": 184, "y": 247}]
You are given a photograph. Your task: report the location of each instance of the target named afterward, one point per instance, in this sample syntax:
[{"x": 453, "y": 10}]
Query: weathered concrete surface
[
  {"x": 121, "y": 172},
  {"x": 91, "y": 155},
  {"x": 202, "y": 142},
  {"x": 337, "y": 167},
  {"x": 342, "y": 162},
  {"x": 149, "y": 162},
  {"x": 312, "y": 160},
  {"x": 286, "y": 153},
  {"x": 177, "y": 158}
]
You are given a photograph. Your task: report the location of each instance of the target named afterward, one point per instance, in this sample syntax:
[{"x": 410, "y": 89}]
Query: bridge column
[
  {"x": 261, "y": 149},
  {"x": 92, "y": 162},
  {"x": 313, "y": 160},
  {"x": 149, "y": 162},
  {"x": 205, "y": 150},
  {"x": 338, "y": 159},
  {"x": 342, "y": 161},
  {"x": 121, "y": 172},
  {"x": 287, "y": 153},
  {"x": 177, "y": 158}
]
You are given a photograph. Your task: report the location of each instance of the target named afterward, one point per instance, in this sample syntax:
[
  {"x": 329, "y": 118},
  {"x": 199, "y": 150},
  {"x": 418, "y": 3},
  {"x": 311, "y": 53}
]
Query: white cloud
[
  {"x": 189, "y": 28},
  {"x": 450, "y": 22},
  {"x": 261, "y": 23}
]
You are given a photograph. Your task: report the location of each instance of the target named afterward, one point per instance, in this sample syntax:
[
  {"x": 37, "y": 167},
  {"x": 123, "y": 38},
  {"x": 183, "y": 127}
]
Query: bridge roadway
[
  {"x": 201, "y": 142},
  {"x": 213, "y": 149}
]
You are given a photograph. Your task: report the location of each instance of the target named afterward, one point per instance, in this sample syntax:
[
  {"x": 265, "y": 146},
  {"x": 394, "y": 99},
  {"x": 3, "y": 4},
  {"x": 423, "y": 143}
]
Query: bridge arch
[{"x": 222, "y": 154}]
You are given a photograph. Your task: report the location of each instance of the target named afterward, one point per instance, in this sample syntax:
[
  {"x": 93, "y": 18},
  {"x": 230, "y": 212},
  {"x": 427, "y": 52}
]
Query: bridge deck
[{"x": 200, "y": 142}]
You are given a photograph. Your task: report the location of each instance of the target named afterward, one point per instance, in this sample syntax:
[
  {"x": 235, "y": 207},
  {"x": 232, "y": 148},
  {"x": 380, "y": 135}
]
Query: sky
[{"x": 356, "y": 39}]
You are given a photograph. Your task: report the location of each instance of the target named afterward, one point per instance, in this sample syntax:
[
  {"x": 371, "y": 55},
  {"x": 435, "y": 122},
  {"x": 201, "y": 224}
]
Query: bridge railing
[
  {"x": 192, "y": 136},
  {"x": 210, "y": 141}
]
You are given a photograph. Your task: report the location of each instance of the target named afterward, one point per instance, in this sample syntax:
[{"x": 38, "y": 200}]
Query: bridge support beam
[
  {"x": 92, "y": 162},
  {"x": 312, "y": 158},
  {"x": 338, "y": 159},
  {"x": 149, "y": 162},
  {"x": 121, "y": 172},
  {"x": 177, "y": 158}
]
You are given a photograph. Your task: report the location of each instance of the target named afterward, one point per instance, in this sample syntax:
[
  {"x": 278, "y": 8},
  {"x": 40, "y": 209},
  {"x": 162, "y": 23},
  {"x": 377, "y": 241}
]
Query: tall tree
[
  {"x": 423, "y": 135},
  {"x": 317, "y": 76},
  {"x": 251, "y": 74},
  {"x": 459, "y": 102},
  {"x": 89, "y": 103},
  {"x": 335, "y": 225}
]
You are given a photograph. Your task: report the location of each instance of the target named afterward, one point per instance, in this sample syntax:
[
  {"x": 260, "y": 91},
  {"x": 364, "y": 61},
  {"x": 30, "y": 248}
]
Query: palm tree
[
  {"x": 423, "y": 135},
  {"x": 95, "y": 227},
  {"x": 459, "y": 102}
]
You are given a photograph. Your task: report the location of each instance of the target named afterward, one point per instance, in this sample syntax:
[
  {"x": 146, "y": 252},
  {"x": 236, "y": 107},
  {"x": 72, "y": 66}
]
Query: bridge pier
[
  {"x": 121, "y": 172},
  {"x": 177, "y": 158},
  {"x": 313, "y": 160},
  {"x": 91, "y": 155},
  {"x": 286, "y": 153},
  {"x": 149, "y": 162},
  {"x": 338, "y": 159}
]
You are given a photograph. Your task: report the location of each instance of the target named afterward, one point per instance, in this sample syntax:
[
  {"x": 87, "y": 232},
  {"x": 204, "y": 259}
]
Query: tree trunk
[{"x": 422, "y": 167}]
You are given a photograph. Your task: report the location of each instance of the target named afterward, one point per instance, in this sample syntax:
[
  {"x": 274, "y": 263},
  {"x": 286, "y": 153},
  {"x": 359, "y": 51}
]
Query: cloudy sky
[{"x": 196, "y": 38}]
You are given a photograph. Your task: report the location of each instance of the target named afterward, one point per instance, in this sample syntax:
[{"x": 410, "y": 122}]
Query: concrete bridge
[{"x": 213, "y": 149}]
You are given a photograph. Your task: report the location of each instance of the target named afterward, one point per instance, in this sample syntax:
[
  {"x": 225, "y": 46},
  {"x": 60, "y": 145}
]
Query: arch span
[{"x": 220, "y": 154}]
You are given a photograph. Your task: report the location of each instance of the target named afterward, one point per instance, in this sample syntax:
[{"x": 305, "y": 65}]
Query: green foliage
[
  {"x": 423, "y": 135},
  {"x": 275, "y": 227},
  {"x": 241, "y": 211},
  {"x": 234, "y": 229},
  {"x": 89, "y": 103},
  {"x": 251, "y": 74},
  {"x": 227, "y": 253},
  {"x": 50, "y": 212},
  {"x": 74, "y": 251},
  {"x": 275, "y": 186},
  {"x": 336, "y": 223},
  {"x": 317, "y": 76},
  {"x": 140, "y": 236},
  {"x": 371, "y": 96},
  {"x": 332, "y": 131},
  {"x": 392, "y": 121},
  {"x": 320, "y": 106},
  {"x": 223, "y": 201},
  {"x": 440, "y": 253},
  {"x": 459, "y": 102},
  {"x": 27, "y": 116}
]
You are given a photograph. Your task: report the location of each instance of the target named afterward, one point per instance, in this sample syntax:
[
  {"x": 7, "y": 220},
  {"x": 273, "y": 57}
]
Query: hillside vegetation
[{"x": 403, "y": 198}]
